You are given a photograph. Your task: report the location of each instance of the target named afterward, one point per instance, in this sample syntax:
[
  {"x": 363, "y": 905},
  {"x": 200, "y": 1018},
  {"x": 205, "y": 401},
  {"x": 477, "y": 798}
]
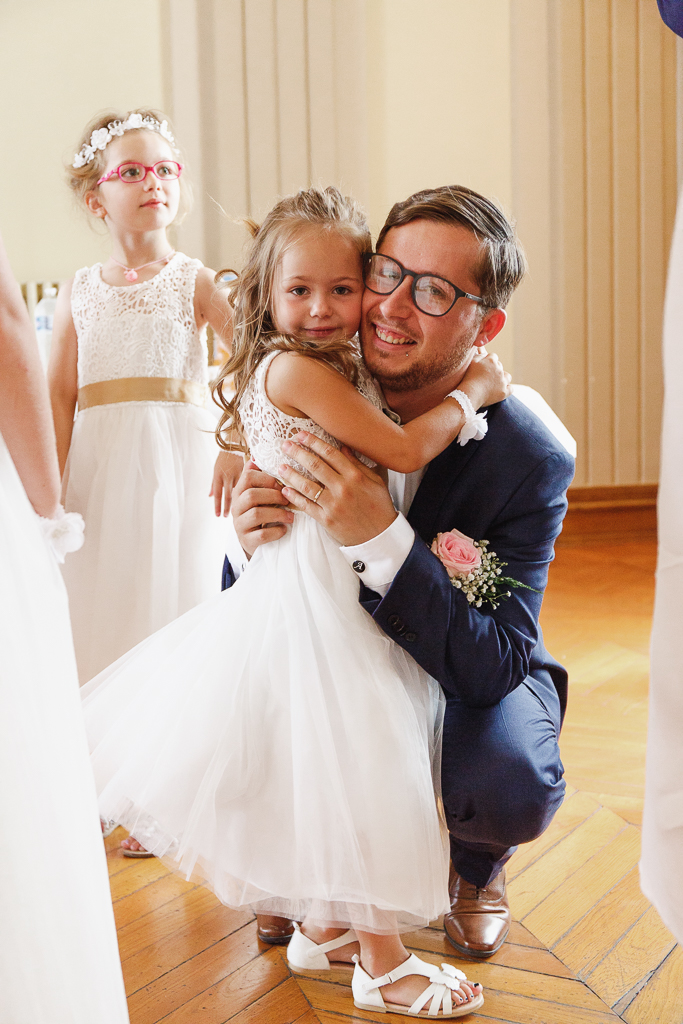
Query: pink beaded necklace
[{"x": 131, "y": 273}]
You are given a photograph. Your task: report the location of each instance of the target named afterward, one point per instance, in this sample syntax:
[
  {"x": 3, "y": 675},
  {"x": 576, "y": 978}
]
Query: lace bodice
[
  {"x": 266, "y": 427},
  {"x": 141, "y": 330}
]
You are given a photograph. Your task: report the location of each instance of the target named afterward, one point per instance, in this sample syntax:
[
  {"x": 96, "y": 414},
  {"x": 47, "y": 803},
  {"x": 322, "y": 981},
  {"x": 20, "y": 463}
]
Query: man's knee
[
  {"x": 513, "y": 798},
  {"x": 536, "y": 796}
]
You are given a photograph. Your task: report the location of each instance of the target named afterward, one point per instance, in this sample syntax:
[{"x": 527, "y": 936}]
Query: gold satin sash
[{"x": 142, "y": 389}]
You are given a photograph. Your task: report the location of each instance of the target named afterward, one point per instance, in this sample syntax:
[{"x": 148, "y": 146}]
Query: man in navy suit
[{"x": 501, "y": 770}]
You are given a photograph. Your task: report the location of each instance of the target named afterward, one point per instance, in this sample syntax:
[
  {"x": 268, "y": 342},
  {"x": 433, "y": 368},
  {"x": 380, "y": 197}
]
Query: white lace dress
[
  {"x": 139, "y": 472},
  {"x": 275, "y": 742},
  {"x": 59, "y": 961}
]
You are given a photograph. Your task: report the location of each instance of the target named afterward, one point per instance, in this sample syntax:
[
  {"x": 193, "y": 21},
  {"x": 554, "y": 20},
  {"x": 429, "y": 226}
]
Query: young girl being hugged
[
  {"x": 129, "y": 349},
  {"x": 274, "y": 740}
]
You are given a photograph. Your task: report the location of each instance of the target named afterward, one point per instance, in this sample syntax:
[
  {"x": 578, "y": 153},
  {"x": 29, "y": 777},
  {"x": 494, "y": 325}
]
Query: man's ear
[
  {"x": 492, "y": 324},
  {"x": 94, "y": 204}
]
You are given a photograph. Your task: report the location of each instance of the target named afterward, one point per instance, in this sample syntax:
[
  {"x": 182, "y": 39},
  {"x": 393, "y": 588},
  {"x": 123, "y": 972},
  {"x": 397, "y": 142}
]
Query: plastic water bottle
[{"x": 44, "y": 316}]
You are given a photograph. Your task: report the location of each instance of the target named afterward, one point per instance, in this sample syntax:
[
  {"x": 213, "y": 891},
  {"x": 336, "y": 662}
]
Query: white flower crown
[{"x": 103, "y": 136}]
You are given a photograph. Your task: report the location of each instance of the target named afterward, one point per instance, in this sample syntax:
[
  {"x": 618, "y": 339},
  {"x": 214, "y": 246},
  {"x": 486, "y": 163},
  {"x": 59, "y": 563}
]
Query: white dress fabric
[
  {"x": 275, "y": 742},
  {"x": 139, "y": 472},
  {"x": 59, "y": 960},
  {"x": 661, "y": 865}
]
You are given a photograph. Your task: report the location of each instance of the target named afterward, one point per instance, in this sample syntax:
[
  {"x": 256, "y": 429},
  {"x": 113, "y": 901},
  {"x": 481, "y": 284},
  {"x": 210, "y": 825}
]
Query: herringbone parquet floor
[{"x": 585, "y": 946}]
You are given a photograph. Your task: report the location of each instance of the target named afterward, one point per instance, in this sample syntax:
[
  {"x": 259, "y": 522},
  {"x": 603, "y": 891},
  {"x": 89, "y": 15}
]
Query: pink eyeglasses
[{"x": 164, "y": 170}]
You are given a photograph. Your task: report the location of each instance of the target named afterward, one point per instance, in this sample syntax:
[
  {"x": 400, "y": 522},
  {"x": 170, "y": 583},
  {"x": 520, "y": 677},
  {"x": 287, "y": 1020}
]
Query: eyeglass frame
[
  {"x": 459, "y": 293},
  {"x": 137, "y": 163}
]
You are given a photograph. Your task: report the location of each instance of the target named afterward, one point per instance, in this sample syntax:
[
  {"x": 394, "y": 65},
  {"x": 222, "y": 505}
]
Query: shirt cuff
[
  {"x": 233, "y": 549},
  {"x": 377, "y": 561}
]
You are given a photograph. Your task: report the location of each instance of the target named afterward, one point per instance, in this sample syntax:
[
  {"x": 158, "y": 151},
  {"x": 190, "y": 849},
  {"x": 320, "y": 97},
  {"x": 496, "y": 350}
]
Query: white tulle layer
[
  {"x": 59, "y": 961},
  {"x": 139, "y": 473},
  {"x": 276, "y": 743}
]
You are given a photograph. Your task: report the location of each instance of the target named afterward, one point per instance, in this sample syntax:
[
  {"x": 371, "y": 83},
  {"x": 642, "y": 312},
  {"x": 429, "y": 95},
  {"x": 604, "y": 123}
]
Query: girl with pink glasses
[{"x": 129, "y": 352}]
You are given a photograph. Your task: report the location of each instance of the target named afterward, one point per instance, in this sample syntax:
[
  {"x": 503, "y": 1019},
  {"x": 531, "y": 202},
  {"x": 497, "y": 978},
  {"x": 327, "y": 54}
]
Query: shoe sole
[
  {"x": 475, "y": 954},
  {"x": 460, "y": 1011},
  {"x": 340, "y": 975},
  {"x": 280, "y": 940},
  {"x": 137, "y": 853}
]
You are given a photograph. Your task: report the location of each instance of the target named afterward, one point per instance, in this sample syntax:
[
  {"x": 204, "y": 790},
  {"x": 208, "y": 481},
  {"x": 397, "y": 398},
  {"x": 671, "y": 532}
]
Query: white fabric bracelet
[
  {"x": 475, "y": 427},
  {"x": 64, "y": 532}
]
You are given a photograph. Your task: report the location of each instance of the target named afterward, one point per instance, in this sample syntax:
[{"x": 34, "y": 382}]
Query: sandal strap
[
  {"x": 439, "y": 994},
  {"x": 341, "y": 940},
  {"x": 448, "y": 975}
]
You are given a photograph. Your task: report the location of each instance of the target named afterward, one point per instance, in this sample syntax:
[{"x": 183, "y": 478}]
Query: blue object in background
[{"x": 672, "y": 13}]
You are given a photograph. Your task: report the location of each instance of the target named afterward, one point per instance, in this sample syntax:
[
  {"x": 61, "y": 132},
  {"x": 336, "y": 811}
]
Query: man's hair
[{"x": 503, "y": 263}]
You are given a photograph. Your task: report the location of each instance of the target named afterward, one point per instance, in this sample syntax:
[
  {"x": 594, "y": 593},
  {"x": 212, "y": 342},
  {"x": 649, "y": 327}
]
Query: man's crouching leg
[{"x": 502, "y": 784}]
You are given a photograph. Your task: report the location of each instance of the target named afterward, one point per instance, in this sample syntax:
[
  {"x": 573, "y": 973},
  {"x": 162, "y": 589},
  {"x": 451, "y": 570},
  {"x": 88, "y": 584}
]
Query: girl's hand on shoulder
[
  {"x": 226, "y": 473},
  {"x": 211, "y": 306},
  {"x": 486, "y": 381}
]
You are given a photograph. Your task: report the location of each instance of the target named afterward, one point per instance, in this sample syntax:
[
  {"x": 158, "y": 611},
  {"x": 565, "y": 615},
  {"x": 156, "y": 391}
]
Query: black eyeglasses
[{"x": 432, "y": 295}]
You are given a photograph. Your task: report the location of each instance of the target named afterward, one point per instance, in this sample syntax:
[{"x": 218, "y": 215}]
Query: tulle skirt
[
  {"x": 59, "y": 961},
  {"x": 139, "y": 473},
  {"x": 275, "y": 743}
]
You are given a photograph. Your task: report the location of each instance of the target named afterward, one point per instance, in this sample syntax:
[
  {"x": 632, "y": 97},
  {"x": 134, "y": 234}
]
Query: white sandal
[
  {"x": 367, "y": 995},
  {"x": 305, "y": 956}
]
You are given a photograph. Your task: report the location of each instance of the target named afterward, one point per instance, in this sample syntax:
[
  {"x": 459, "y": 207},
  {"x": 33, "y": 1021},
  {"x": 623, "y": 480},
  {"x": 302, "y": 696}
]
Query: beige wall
[
  {"x": 614, "y": 203},
  {"x": 438, "y": 102},
  {"x": 62, "y": 61}
]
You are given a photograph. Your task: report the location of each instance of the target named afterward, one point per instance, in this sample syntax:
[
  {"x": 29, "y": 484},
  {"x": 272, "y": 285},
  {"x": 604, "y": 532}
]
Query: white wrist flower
[{"x": 64, "y": 532}]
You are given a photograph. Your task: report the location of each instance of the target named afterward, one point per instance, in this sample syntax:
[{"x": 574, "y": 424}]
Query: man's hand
[
  {"x": 226, "y": 473},
  {"x": 258, "y": 509},
  {"x": 354, "y": 504}
]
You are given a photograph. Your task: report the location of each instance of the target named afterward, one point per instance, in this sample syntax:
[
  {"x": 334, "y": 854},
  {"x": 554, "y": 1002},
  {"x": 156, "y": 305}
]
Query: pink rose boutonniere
[
  {"x": 458, "y": 553},
  {"x": 474, "y": 569}
]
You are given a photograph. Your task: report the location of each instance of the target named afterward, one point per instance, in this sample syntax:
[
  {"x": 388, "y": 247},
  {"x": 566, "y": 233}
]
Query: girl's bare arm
[
  {"x": 63, "y": 373},
  {"x": 211, "y": 306},
  {"x": 300, "y": 386},
  {"x": 25, "y": 420}
]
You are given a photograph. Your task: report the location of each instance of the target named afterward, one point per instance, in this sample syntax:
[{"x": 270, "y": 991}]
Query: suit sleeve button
[
  {"x": 410, "y": 637},
  {"x": 358, "y": 566}
]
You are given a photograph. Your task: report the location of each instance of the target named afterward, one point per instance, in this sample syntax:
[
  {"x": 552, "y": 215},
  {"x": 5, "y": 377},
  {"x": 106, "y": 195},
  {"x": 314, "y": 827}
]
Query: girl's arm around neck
[
  {"x": 25, "y": 421},
  {"x": 63, "y": 373},
  {"x": 300, "y": 386},
  {"x": 211, "y": 306}
]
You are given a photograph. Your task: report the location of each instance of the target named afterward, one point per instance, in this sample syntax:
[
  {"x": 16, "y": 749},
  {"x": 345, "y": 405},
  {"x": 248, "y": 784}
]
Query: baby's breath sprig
[{"x": 487, "y": 585}]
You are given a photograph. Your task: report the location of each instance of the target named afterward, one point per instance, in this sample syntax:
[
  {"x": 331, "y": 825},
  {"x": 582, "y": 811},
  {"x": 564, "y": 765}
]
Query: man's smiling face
[{"x": 405, "y": 348}]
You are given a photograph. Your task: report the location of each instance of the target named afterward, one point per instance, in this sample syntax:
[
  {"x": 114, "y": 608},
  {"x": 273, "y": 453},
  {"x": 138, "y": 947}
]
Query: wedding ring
[{"x": 319, "y": 493}]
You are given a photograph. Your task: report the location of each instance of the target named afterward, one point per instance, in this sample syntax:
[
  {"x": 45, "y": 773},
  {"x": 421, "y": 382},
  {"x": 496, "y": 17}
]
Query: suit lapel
[{"x": 440, "y": 478}]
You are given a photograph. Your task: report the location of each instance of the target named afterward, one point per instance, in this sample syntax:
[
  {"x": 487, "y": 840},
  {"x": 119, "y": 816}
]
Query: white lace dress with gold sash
[{"x": 139, "y": 471}]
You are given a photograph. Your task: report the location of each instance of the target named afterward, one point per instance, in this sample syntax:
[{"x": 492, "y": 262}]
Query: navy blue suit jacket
[{"x": 509, "y": 489}]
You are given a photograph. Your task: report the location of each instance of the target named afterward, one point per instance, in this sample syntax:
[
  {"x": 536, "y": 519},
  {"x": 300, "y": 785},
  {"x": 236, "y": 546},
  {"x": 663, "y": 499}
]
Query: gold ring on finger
[{"x": 318, "y": 494}]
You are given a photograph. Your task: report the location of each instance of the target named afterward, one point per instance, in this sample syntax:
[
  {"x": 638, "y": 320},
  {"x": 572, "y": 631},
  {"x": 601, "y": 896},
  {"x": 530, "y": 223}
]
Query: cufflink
[{"x": 358, "y": 566}]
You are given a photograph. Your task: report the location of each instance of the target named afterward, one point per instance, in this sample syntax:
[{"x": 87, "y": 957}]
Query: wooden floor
[{"x": 585, "y": 945}]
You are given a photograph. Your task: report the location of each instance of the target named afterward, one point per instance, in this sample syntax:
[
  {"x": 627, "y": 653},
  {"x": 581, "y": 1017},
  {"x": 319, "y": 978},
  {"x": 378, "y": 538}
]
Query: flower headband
[{"x": 103, "y": 136}]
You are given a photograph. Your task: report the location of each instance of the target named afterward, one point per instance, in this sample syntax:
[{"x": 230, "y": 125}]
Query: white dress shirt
[{"x": 383, "y": 556}]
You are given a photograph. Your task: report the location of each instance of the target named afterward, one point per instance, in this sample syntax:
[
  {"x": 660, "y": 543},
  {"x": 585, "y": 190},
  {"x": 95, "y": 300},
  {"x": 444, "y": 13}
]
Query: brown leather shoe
[
  {"x": 479, "y": 919},
  {"x": 277, "y": 931}
]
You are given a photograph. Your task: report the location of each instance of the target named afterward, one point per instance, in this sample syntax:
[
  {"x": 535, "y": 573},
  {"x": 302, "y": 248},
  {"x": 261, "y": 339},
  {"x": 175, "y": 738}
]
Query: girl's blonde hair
[
  {"x": 83, "y": 180},
  {"x": 254, "y": 332}
]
